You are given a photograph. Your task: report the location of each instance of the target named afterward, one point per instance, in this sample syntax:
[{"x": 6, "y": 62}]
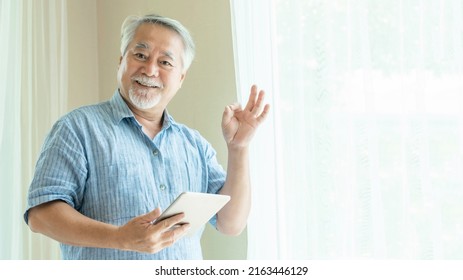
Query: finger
[
  {"x": 153, "y": 215},
  {"x": 180, "y": 230},
  {"x": 171, "y": 236},
  {"x": 264, "y": 114},
  {"x": 252, "y": 98},
  {"x": 229, "y": 112},
  {"x": 257, "y": 109},
  {"x": 227, "y": 115},
  {"x": 168, "y": 223},
  {"x": 235, "y": 106}
]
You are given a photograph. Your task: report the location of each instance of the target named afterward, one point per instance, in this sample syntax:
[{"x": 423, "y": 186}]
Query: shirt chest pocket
[
  {"x": 186, "y": 176},
  {"x": 118, "y": 191},
  {"x": 117, "y": 177}
]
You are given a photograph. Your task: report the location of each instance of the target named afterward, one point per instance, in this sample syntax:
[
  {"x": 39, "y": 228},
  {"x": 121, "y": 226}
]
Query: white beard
[{"x": 142, "y": 99}]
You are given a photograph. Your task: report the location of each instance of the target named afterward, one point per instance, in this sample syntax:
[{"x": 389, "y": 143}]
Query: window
[{"x": 366, "y": 133}]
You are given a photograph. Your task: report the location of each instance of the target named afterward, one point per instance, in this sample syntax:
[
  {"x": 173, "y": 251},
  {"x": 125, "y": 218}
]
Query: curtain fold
[
  {"x": 34, "y": 79},
  {"x": 10, "y": 165},
  {"x": 361, "y": 155},
  {"x": 253, "y": 54},
  {"x": 45, "y": 88}
]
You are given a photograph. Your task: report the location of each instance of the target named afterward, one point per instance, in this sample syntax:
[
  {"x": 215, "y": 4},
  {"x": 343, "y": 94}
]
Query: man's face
[{"x": 151, "y": 71}]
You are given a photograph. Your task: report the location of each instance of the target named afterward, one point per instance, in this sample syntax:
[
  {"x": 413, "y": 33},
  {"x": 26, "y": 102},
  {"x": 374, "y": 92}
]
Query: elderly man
[{"x": 106, "y": 170}]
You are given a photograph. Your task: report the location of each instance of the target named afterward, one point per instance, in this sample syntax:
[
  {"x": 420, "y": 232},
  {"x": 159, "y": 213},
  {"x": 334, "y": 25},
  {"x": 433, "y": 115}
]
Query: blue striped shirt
[{"x": 98, "y": 160}]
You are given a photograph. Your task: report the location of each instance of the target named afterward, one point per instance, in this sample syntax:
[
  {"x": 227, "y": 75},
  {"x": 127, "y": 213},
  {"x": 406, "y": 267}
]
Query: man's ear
[{"x": 182, "y": 78}]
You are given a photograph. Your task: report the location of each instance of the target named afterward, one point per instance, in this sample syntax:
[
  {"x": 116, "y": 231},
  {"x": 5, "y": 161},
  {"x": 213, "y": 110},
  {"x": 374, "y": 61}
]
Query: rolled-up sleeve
[{"x": 61, "y": 169}]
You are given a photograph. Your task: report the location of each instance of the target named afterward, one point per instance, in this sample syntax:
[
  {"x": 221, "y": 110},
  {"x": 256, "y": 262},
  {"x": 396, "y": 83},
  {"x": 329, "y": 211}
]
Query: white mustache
[{"x": 147, "y": 82}]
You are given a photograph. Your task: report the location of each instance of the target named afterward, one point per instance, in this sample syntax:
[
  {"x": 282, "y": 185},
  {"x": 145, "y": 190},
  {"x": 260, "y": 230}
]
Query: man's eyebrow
[{"x": 142, "y": 45}]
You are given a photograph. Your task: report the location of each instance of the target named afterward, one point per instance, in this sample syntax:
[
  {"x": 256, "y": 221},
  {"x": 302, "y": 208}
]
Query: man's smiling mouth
[{"x": 147, "y": 82}]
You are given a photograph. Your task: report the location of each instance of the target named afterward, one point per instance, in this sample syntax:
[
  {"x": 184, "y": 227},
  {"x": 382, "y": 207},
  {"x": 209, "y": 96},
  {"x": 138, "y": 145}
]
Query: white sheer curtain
[
  {"x": 10, "y": 150},
  {"x": 362, "y": 156},
  {"x": 33, "y": 77}
]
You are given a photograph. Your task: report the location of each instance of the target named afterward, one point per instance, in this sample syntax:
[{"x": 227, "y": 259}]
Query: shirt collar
[
  {"x": 122, "y": 111},
  {"x": 119, "y": 108}
]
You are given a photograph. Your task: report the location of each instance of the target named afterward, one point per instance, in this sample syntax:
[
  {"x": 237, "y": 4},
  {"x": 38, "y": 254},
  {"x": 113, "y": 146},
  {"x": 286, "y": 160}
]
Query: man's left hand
[{"x": 239, "y": 125}]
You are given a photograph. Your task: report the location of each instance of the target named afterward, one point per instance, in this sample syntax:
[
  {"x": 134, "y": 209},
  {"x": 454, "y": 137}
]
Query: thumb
[
  {"x": 153, "y": 215},
  {"x": 227, "y": 115},
  {"x": 229, "y": 112}
]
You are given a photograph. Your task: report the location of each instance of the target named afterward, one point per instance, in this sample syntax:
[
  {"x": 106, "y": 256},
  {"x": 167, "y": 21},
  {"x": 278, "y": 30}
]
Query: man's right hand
[{"x": 141, "y": 235}]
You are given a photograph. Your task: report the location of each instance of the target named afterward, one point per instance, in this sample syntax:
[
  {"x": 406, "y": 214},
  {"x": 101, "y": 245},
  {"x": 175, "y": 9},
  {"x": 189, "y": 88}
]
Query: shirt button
[
  {"x": 163, "y": 187},
  {"x": 155, "y": 152}
]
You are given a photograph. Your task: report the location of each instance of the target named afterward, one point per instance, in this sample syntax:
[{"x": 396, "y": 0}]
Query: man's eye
[
  {"x": 166, "y": 63},
  {"x": 140, "y": 56}
]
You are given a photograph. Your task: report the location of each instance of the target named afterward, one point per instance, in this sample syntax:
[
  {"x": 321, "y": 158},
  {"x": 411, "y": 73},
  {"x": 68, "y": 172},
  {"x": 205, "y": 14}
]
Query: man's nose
[{"x": 152, "y": 68}]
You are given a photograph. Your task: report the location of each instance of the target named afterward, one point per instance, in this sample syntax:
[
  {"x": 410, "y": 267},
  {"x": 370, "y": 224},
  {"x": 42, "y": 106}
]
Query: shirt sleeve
[
  {"x": 61, "y": 169},
  {"x": 216, "y": 174}
]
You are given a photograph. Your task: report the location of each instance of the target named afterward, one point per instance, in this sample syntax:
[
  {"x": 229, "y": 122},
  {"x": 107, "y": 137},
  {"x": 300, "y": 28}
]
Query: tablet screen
[{"x": 198, "y": 208}]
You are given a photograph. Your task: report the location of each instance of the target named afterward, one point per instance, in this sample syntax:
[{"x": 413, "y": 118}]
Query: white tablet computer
[{"x": 198, "y": 208}]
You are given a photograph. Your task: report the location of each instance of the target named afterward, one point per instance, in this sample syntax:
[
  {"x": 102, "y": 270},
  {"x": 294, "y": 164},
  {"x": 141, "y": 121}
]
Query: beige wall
[
  {"x": 83, "y": 53},
  {"x": 209, "y": 86}
]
